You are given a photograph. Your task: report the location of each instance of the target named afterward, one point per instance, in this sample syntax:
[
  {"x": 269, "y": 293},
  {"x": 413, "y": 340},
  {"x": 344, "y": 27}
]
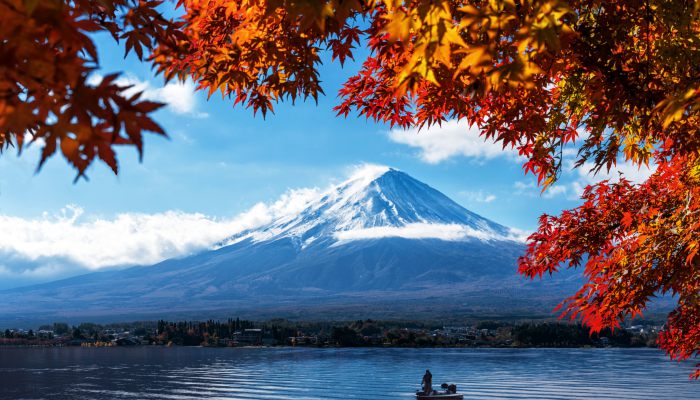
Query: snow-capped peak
[
  {"x": 364, "y": 174},
  {"x": 378, "y": 200}
]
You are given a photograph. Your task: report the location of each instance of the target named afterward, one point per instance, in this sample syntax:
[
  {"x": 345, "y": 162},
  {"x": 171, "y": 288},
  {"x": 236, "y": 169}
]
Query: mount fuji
[{"x": 379, "y": 244}]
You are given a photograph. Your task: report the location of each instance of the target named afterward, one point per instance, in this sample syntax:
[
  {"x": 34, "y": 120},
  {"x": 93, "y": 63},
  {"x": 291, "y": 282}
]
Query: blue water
[{"x": 302, "y": 373}]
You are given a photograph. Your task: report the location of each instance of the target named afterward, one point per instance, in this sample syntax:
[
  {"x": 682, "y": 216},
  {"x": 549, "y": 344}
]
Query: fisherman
[{"x": 427, "y": 382}]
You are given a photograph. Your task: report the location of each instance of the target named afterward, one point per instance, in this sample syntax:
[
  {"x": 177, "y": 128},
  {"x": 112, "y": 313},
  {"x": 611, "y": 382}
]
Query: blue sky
[{"x": 220, "y": 161}]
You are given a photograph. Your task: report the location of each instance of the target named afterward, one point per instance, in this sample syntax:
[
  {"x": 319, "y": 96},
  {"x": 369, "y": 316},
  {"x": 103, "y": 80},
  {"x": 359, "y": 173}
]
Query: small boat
[
  {"x": 449, "y": 392},
  {"x": 439, "y": 396}
]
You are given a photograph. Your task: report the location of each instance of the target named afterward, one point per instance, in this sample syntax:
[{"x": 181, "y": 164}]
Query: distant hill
[{"x": 380, "y": 244}]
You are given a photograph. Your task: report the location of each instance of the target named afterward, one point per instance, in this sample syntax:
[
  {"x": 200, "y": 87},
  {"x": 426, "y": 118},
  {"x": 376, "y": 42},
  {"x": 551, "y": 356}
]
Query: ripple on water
[{"x": 285, "y": 374}]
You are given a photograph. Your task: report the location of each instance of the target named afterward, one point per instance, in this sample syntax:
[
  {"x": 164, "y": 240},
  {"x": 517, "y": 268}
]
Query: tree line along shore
[{"x": 360, "y": 333}]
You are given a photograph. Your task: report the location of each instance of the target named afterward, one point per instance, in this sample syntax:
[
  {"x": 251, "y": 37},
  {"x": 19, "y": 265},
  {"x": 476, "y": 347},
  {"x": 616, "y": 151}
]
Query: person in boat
[{"x": 427, "y": 382}]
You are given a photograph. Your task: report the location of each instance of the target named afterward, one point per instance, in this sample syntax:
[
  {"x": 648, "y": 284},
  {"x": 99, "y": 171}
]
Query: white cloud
[
  {"x": 455, "y": 138},
  {"x": 554, "y": 191},
  {"x": 451, "y": 139},
  {"x": 179, "y": 96},
  {"x": 573, "y": 181},
  {"x": 128, "y": 238},
  {"x": 291, "y": 202},
  {"x": 520, "y": 185},
  {"x": 526, "y": 188},
  {"x": 583, "y": 176},
  {"x": 450, "y": 232},
  {"x": 366, "y": 172},
  {"x": 628, "y": 170},
  {"x": 478, "y": 196},
  {"x": 530, "y": 189}
]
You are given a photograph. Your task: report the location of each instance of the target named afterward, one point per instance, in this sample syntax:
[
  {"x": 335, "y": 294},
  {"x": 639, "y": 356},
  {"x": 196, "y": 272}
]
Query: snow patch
[{"x": 448, "y": 232}]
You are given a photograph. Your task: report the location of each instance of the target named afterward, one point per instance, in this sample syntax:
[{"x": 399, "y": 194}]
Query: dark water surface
[{"x": 284, "y": 373}]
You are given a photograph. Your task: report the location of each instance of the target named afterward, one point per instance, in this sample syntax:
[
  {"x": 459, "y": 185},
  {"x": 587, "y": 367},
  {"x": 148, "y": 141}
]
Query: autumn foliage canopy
[{"x": 617, "y": 80}]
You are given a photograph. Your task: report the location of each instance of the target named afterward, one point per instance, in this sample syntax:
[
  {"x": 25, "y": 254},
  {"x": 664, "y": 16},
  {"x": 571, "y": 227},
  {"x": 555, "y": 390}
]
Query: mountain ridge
[
  {"x": 375, "y": 197},
  {"x": 380, "y": 238}
]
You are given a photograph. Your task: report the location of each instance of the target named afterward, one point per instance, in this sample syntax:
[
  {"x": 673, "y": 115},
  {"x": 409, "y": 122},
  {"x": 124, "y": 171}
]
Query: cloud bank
[
  {"x": 127, "y": 239},
  {"x": 451, "y": 139},
  {"x": 449, "y": 232},
  {"x": 72, "y": 241}
]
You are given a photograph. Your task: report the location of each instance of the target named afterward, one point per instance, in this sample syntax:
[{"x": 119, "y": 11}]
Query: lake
[{"x": 368, "y": 373}]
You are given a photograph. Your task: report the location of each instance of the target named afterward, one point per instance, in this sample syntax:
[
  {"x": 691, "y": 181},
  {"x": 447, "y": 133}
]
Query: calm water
[{"x": 196, "y": 373}]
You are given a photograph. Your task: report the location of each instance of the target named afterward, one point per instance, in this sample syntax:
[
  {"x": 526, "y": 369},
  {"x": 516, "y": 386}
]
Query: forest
[{"x": 361, "y": 333}]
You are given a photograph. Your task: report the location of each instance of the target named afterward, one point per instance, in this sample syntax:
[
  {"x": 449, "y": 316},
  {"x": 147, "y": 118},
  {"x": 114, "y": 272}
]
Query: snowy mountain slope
[
  {"x": 379, "y": 202},
  {"x": 379, "y": 237}
]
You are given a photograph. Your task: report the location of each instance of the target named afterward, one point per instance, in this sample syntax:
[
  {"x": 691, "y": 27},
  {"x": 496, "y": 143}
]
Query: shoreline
[
  {"x": 355, "y": 334},
  {"x": 44, "y": 346}
]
